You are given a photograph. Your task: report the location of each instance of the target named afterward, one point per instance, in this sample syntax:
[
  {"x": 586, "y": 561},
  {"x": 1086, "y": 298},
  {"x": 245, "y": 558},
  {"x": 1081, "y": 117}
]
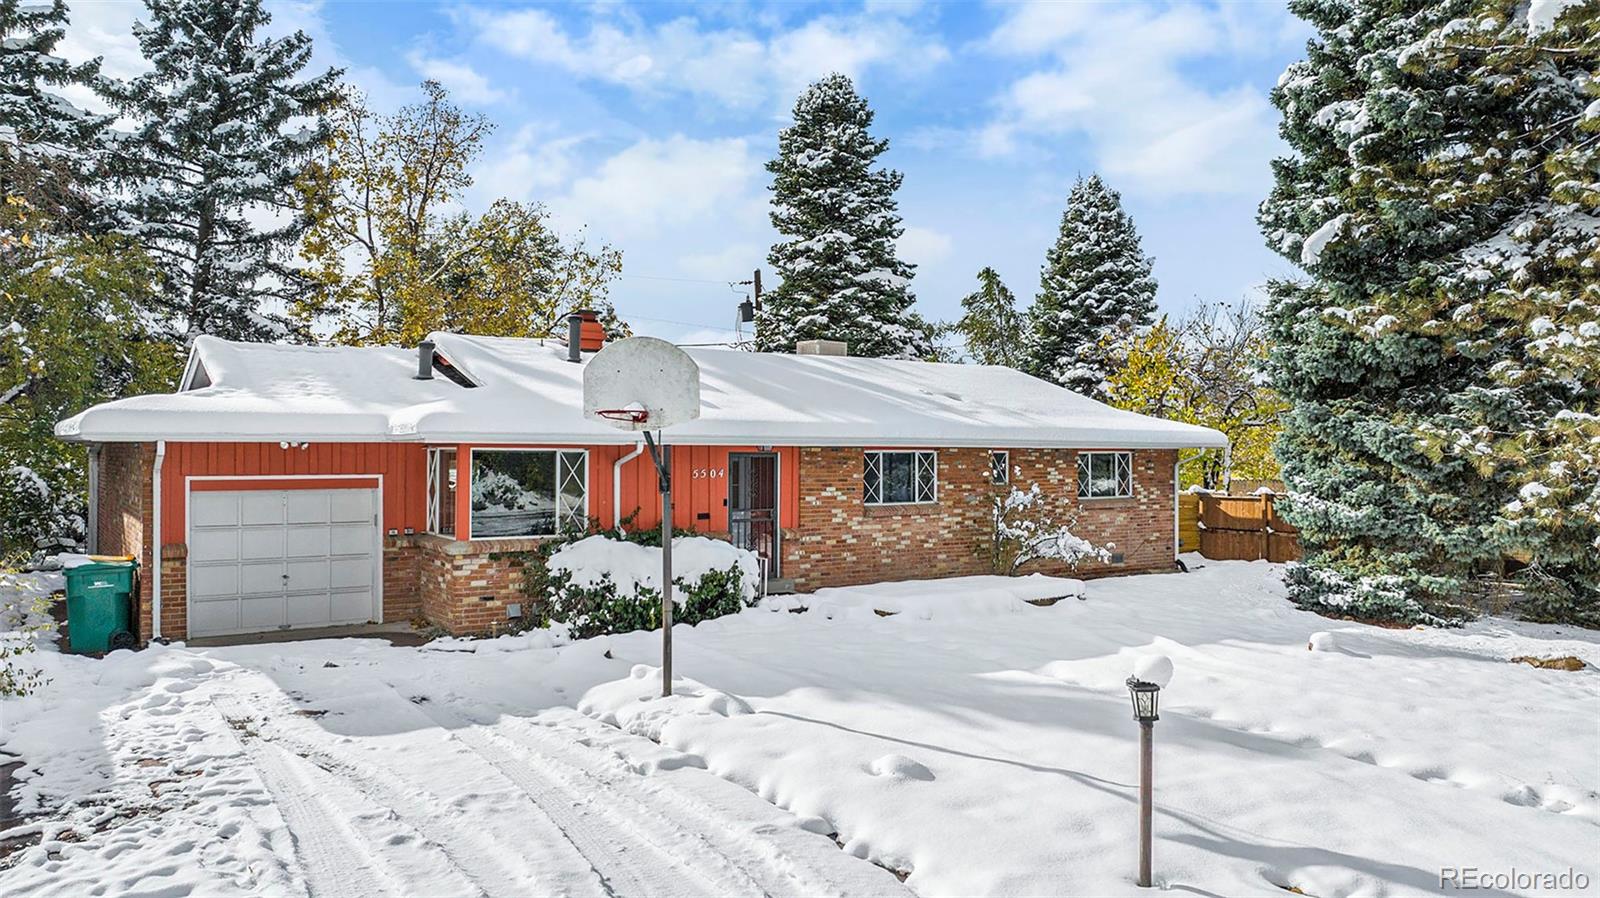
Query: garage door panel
[
  {"x": 214, "y": 545},
  {"x": 352, "y": 607},
  {"x": 344, "y": 573},
  {"x": 260, "y": 507},
  {"x": 307, "y": 541},
  {"x": 261, "y": 612},
  {"x": 308, "y": 609},
  {"x": 350, "y": 539},
  {"x": 306, "y": 575},
  {"x": 213, "y": 617},
  {"x": 259, "y": 577},
  {"x": 261, "y": 542},
  {"x": 221, "y": 509},
  {"x": 209, "y": 581},
  {"x": 306, "y": 506},
  {"x": 351, "y": 506}
]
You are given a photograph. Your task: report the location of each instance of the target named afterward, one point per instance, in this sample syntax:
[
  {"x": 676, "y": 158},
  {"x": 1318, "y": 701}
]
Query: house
[{"x": 296, "y": 486}]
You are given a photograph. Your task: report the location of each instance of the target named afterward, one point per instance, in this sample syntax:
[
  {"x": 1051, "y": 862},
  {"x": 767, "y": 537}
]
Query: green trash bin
[{"x": 98, "y": 616}]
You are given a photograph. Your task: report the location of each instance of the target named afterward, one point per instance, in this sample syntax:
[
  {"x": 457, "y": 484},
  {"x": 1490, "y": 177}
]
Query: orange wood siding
[
  {"x": 700, "y": 480},
  {"x": 403, "y": 467}
]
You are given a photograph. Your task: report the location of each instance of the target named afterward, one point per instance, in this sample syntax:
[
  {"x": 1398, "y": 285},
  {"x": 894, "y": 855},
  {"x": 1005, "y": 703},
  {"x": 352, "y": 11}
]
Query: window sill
[
  {"x": 1106, "y": 500},
  {"x": 900, "y": 509}
]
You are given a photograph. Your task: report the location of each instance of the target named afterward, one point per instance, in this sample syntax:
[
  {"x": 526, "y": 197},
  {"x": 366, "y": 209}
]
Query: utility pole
[{"x": 757, "y": 282}]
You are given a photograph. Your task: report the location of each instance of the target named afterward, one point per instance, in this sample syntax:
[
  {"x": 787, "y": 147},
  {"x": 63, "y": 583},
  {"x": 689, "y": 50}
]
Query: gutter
[
  {"x": 616, "y": 484},
  {"x": 155, "y": 542}
]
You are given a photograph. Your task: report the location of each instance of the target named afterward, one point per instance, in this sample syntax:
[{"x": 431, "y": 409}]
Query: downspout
[
  {"x": 155, "y": 542},
  {"x": 92, "y": 537},
  {"x": 616, "y": 485}
]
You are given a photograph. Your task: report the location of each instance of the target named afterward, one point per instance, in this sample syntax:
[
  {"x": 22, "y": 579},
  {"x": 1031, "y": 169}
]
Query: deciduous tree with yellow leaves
[
  {"x": 391, "y": 256},
  {"x": 1205, "y": 369}
]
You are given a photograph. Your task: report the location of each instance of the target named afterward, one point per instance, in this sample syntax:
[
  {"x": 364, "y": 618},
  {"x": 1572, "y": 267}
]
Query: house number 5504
[{"x": 708, "y": 473}]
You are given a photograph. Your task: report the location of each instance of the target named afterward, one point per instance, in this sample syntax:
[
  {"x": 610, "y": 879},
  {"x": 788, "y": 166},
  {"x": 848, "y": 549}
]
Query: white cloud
[
  {"x": 734, "y": 67},
  {"x": 658, "y": 184},
  {"x": 923, "y": 246},
  {"x": 536, "y": 161},
  {"x": 462, "y": 80},
  {"x": 1118, "y": 76}
]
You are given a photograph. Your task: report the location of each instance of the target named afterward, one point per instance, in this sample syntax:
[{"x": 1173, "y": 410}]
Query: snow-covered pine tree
[
  {"x": 48, "y": 146},
  {"x": 1095, "y": 284},
  {"x": 990, "y": 325},
  {"x": 836, "y": 211},
  {"x": 1423, "y": 181},
  {"x": 224, "y": 128}
]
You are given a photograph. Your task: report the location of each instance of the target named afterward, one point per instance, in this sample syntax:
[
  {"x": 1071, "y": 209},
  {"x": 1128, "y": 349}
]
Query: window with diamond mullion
[
  {"x": 572, "y": 488},
  {"x": 872, "y": 479},
  {"x": 1105, "y": 475}
]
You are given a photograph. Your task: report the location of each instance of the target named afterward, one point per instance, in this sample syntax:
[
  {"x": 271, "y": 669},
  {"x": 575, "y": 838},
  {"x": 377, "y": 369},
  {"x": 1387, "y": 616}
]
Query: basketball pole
[{"x": 661, "y": 454}]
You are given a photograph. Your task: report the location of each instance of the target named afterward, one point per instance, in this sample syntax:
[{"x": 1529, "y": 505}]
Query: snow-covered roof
[{"x": 527, "y": 392}]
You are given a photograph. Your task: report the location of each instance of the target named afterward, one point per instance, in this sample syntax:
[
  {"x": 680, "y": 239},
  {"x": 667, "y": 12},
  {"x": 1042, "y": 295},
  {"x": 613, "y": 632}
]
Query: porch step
[{"x": 778, "y": 586}]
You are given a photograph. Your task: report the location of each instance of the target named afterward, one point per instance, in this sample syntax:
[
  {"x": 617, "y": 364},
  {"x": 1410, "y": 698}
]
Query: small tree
[
  {"x": 990, "y": 325},
  {"x": 1024, "y": 530},
  {"x": 1205, "y": 369},
  {"x": 24, "y": 619}
]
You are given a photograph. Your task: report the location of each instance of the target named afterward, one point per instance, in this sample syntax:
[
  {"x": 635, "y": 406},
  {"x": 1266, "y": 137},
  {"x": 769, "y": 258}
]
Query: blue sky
[{"x": 648, "y": 125}]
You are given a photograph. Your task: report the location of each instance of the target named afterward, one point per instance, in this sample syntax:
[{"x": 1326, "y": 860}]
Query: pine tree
[
  {"x": 990, "y": 324},
  {"x": 224, "y": 129},
  {"x": 1095, "y": 285},
  {"x": 1424, "y": 181},
  {"x": 48, "y": 146},
  {"x": 841, "y": 277}
]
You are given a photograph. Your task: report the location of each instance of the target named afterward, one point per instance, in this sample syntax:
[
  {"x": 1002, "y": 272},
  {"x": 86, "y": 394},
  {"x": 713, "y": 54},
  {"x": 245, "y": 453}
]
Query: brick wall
[
  {"x": 841, "y": 541},
  {"x": 124, "y": 509},
  {"x": 465, "y": 586}
]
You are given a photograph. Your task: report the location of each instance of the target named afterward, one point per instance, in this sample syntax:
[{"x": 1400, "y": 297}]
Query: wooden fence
[{"x": 1235, "y": 528}]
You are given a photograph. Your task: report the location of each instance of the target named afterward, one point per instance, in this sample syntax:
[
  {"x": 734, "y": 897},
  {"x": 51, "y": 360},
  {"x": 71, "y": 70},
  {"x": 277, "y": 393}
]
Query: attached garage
[{"x": 265, "y": 557}]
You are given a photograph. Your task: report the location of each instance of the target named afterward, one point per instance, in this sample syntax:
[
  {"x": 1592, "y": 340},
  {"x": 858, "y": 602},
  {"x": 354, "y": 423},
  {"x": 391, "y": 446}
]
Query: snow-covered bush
[
  {"x": 24, "y": 619},
  {"x": 605, "y": 583},
  {"x": 1024, "y": 530}
]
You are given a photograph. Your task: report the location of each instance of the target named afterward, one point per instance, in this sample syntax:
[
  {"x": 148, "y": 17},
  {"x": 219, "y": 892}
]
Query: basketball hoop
[
  {"x": 643, "y": 384},
  {"x": 637, "y": 415}
]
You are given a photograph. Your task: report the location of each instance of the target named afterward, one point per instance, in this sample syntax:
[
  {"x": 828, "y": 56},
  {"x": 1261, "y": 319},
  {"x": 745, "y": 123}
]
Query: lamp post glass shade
[{"x": 1146, "y": 696}]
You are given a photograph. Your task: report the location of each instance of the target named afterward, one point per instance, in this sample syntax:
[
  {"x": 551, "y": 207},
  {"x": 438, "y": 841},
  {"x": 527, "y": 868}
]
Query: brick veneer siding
[
  {"x": 465, "y": 586},
  {"x": 841, "y": 541},
  {"x": 124, "y": 514}
]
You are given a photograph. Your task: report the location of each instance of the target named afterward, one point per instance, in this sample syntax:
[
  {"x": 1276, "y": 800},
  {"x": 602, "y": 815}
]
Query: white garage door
[{"x": 275, "y": 559}]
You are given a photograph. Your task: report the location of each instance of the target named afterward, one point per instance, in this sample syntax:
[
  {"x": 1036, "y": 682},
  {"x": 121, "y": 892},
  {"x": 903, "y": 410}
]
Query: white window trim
[
  {"x": 1113, "y": 452},
  {"x": 1004, "y": 468},
  {"x": 471, "y": 466},
  {"x": 882, "y": 452}
]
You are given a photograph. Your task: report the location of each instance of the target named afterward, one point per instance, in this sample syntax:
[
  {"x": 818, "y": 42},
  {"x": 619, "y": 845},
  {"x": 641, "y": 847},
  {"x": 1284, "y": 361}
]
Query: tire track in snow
[
  {"x": 332, "y": 856},
  {"x": 784, "y": 859},
  {"x": 631, "y": 860},
  {"x": 430, "y": 817}
]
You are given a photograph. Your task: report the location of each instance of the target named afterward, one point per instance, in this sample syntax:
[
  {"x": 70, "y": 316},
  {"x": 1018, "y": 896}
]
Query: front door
[{"x": 753, "y": 504}]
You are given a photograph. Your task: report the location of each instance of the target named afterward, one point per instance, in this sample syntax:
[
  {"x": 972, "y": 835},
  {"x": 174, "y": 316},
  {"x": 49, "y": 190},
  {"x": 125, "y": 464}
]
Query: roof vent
[
  {"x": 822, "y": 347},
  {"x": 424, "y": 361}
]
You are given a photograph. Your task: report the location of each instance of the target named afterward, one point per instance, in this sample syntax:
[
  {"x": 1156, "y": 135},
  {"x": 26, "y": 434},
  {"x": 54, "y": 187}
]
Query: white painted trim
[
  {"x": 92, "y": 536},
  {"x": 471, "y": 452},
  {"x": 378, "y": 528},
  {"x": 155, "y": 546},
  {"x": 1007, "y": 468}
]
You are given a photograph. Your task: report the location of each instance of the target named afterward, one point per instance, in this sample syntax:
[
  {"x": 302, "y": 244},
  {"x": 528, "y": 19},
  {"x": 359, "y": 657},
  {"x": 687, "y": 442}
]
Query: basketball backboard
[{"x": 641, "y": 383}]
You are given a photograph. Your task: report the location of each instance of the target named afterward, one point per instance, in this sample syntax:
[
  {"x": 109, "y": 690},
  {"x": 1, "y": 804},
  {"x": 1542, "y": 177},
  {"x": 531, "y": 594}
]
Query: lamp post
[{"x": 1146, "y": 696}]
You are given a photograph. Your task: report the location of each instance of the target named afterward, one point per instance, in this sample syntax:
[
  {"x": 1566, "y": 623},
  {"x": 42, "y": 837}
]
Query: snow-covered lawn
[{"x": 970, "y": 742}]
